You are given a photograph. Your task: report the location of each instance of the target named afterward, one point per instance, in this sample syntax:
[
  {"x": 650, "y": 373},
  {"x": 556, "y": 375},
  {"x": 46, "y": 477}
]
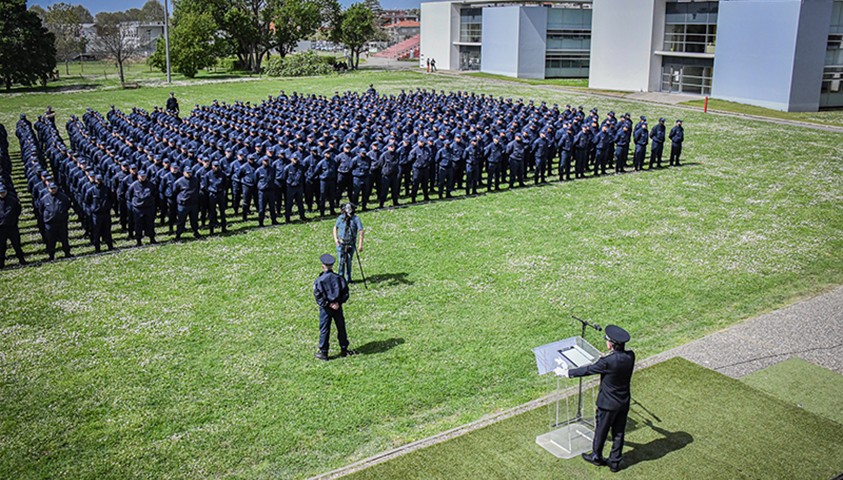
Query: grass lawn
[
  {"x": 825, "y": 117},
  {"x": 560, "y": 82},
  {"x": 686, "y": 419},
  {"x": 801, "y": 383},
  {"x": 195, "y": 360}
]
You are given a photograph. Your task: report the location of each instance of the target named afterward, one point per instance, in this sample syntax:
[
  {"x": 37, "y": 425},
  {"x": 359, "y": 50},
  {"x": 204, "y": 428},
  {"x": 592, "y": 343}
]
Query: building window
[
  {"x": 687, "y": 75},
  {"x": 690, "y": 27},
  {"x": 471, "y": 25}
]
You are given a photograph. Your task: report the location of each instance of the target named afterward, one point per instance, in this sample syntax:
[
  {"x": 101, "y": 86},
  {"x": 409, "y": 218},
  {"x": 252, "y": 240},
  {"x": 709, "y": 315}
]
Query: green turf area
[
  {"x": 825, "y": 117},
  {"x": 195, "y": 360},
  {"x": 798, "y": 382},
  {"x": 687, "y": 419}
]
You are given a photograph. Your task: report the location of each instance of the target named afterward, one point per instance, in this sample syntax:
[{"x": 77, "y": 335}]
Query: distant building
[
  {"x": 142, "y": 36},
  {"x": 780, "y": 54},
  {"x": 395, "y": 16},
  {"x": 398, "y": 32}
]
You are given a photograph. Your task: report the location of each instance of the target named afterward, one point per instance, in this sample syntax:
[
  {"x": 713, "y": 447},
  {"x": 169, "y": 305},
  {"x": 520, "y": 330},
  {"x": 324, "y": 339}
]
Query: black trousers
[
  {"x": 144, "y": 221},
  {"x": 216, "y": 210},
  {"x": 565, "y": 164},
  {"x": 328, "y": 191},
  {"x": 325, "y": 317},
  {"x": 675, "y": 151},
  {"x": 294, "y": 194},
  {"x": 616, "y": 421},
  {"x": 266, "y": 200},
  {"x": 389, "y": 185},
  {"x": 10, "y": 235},
  {"x": 56, "y": 232},
  {"x": 101, "y": 230},
  {"x": 186, "y": 212},
  {"x": 421, "y": 177},
  {"x": 656, "y": 154}
]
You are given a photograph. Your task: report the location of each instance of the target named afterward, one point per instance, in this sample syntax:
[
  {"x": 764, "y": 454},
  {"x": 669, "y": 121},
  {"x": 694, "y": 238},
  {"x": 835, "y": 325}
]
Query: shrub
[{"x": 305, "y": 64}]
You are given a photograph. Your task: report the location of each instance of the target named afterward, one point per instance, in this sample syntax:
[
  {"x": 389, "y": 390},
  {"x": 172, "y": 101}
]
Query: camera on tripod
[{"x": 347, "y": 248}]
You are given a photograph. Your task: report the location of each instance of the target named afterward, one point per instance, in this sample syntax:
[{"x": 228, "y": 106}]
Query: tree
[
  {"x": 192, "y": 44},
  {"x": 357, "y": 27},
  {"x": 292, "y": 21},
  {"x": 65, "y": 21},
  {"x": 27, "y": 48},
  {"x": 152, "y": 11},
  {"x": 83, "y": 14},
  {"x": 113, "y": 41}
]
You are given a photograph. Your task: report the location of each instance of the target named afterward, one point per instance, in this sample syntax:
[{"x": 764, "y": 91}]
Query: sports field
[{"x": 195, "y": 360}]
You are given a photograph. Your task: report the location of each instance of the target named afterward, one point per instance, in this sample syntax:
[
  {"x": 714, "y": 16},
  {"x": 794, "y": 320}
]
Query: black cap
[
  {"x": 327, "y": 259},
  {"x": 616, "y": 334}
]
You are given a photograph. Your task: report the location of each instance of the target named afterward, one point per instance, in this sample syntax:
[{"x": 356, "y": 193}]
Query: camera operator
[{"x": 348, "y": 231}]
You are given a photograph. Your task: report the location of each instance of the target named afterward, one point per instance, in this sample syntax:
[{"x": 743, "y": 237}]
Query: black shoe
[
  {"x": 594, "y": 459},
  {"x": 614, "y": 467},
  {"x": 347, "y": 353},
  {"x": 321, "y": 356}
]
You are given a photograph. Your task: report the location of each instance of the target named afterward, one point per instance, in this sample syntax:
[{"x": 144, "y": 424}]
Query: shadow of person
[
  {"x": 658, "y": 448},
  {"x": 390, "y": 279},
  {"x": 379, "y": 346}
]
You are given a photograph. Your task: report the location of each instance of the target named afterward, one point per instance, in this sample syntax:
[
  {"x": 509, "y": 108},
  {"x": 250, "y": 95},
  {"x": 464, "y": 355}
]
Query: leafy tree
[
  {"x": 357, "y": 27},
  {"x": 83, "y": 13},
  {"x": 113, "y": 41},
  {"x": 27, "y": 48},
  {"x": 65, "y": 21},
  {"x": 292, "y": 21},
  {"x": 39, "y": 10},
  {"x": 192, "y": 44},
  {"x": 151, "y": 11}
]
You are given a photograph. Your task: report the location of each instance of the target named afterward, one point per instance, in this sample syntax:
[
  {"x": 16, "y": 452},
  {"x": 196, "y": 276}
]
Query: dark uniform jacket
[
  {"x": 615, "y": 371},
  {"x": 330, "y": 287}
]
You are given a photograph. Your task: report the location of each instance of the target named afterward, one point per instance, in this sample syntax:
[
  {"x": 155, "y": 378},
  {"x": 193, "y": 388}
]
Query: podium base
[{"x": 569, "y": 441}]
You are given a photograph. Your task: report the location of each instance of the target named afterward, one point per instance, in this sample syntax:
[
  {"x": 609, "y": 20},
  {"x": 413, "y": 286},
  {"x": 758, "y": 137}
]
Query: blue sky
[{"x": 96, "y": 6}]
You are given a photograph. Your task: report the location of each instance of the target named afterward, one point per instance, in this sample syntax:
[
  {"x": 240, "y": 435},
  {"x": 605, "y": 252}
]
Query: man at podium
[{"x": 615, "y": 369}]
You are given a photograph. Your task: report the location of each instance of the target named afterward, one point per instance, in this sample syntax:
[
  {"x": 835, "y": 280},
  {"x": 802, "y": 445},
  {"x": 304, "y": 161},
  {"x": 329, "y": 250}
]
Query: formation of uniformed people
[{"x": 301, "y": 153}]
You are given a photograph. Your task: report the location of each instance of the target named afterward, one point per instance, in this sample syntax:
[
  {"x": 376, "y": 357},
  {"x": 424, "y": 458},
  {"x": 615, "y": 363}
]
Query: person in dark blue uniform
[
  {"x": 494, "y": 154},
  {"x": 445, "y": 173},
  {"x": 640, "y": 138},
  {"x": 326, "y": 171},
  {"x": 142, "y": 195},
  {"x": 657, "y": 147},
  {"x": 421, "y": 161},
  {"x": 98, "y": 203},
  {"x": 265, "y": 176},
  {"x": 294, "y": 176},
  {"x": 677, "y": 136},
  {"x": 389, "y": 176},
  {"x": 613, "y": 398},
  {"x": 246, "y": 175},
  {"x": 516, "y": 151},
  {"x": 186, "y": 190},
  {"x": 331, "y": 292},
  {"x": 216, "y": 184},
  {"x": 173, "y": 104},
  {"x": 10, "y": 209},
  {"x": 55, "y": 207}
]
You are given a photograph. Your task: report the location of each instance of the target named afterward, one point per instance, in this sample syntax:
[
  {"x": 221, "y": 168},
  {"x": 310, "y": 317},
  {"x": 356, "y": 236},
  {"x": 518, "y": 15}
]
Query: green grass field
[
  {"x": 195, "y": 360},
  {"x": 825, "y": 117},
  {"x": 685, "y": 419},
  {"x": 801, "y": 383}
]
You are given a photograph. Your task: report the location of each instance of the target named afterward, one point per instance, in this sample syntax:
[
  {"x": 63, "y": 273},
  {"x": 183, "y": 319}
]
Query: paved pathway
[{"x": 811, "y": 329}]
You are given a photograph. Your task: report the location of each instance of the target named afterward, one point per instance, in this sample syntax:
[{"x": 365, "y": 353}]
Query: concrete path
[{"x": 811, "y": 329}]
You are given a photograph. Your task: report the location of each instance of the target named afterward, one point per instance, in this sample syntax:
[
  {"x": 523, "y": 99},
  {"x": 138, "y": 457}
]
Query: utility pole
[{"x": 167, "y": 38}]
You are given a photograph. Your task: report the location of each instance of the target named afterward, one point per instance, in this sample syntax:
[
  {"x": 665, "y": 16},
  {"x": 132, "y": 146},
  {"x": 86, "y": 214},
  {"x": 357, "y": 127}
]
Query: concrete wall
[
  {"x": 514, "y": 41},
  {"x": 532, "y": 43},
  {"x": 771, "y": 53},
  {"x": 439, "y": 29},
  {"x": 499, "y": 53},
  {"x": 622, "y": 46}
]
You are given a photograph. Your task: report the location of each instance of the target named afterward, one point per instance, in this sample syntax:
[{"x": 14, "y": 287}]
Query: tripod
[{"x": 348, "y": 251}]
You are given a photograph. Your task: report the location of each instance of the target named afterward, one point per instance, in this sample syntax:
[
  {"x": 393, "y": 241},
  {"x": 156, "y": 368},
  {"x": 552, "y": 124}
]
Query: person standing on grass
[
  {"x": 331, "y": 292},
  {"x": 613, "y": 398},
  {"x": 173, "y": 104},
  {"x": 677, "y": 136},
  {"x": 10, "y": 209},
  {"x": 55, "y": 208}
]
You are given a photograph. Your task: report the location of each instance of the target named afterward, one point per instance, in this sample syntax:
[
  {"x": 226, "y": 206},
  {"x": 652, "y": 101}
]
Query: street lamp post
[{"x": 167, "y": 38}]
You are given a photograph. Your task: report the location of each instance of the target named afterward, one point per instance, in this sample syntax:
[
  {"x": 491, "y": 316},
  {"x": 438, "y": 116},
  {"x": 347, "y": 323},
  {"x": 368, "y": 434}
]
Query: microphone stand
[{"x": 585, "y": 323}]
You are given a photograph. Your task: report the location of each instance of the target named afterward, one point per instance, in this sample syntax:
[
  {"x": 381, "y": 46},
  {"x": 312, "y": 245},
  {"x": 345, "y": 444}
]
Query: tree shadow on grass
[
  {"x": 379, "y": 346},
  {"x": 658, "y": 448},
  {"x": 390, "y": 279}
]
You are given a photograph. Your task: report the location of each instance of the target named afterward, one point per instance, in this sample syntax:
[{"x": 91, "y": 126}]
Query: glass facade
[
  {"x": 831, "y": 92},
  {"x": 690, "y": 27},
  {"x": 471, "y": 25},
  {"x": 568, "y": 41},
  {"x": 687, "y": 75},
  {"x": 469, "y": 57}
]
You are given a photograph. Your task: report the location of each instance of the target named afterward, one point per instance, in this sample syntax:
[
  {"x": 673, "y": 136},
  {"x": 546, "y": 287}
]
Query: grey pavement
[{"x": 811, "y": 329}]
